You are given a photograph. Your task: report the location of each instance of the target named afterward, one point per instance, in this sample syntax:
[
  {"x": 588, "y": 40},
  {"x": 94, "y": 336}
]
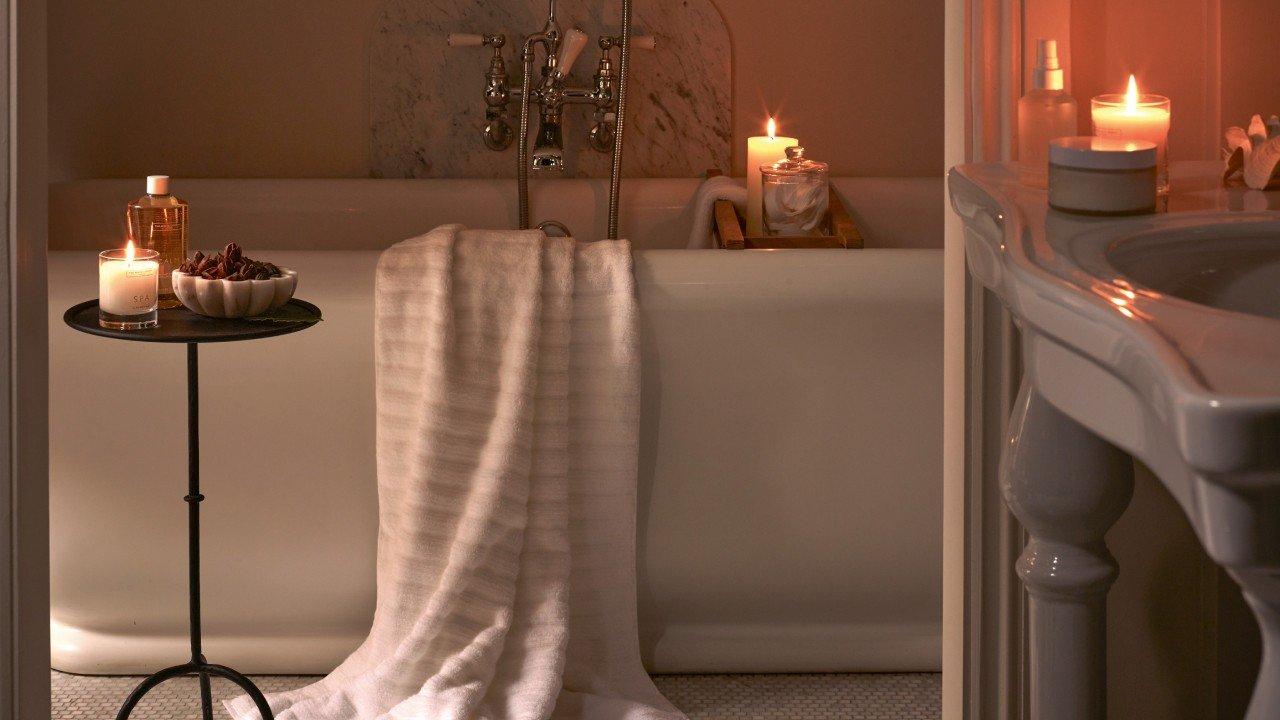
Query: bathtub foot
[{"x": 1067, "y": 487}]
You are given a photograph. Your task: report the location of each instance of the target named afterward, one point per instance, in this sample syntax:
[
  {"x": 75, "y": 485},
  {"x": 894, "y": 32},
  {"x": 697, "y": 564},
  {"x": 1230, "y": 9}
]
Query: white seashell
[
  {"x": 1238, "y": 148},
  {"x": 234, "y": 298},
  {"x": 1254, "y": 153},
  {"x": 1237, "y": 138},
  {"x": 1257, "y": 130},
  {"x": 1235, "y": 163},
  {"x": 1260, "y": 168}
]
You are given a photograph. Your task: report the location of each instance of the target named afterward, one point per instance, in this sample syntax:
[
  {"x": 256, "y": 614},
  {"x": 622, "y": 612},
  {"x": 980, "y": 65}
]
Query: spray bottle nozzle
[{"x": 1048, "y": 72}]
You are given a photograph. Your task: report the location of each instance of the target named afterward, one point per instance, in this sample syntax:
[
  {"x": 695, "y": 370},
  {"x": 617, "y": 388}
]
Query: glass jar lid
[{"x": 795, "y": 164}]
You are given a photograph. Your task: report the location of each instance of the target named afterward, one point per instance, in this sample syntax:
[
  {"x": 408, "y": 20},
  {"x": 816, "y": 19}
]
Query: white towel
[
  {"x": 508, "y": 408},
  {"x": 700, "y": 214}
]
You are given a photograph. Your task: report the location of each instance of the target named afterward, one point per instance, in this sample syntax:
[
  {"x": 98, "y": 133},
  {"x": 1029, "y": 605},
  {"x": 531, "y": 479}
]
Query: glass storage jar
[{"x": 795, "y": 195}]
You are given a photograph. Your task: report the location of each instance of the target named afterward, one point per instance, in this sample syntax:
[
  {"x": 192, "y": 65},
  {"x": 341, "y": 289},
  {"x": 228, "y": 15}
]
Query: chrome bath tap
[
  {"x": 550, "y": 91},
  {"x": 607, "y": 93}
]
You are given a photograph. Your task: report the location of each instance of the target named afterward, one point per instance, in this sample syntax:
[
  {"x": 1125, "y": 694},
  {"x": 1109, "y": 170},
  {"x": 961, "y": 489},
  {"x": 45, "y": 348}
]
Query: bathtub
[{"x": 790, "y": 464}]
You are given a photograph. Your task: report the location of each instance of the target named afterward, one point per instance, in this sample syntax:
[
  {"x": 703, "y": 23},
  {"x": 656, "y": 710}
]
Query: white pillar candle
[
  {"x": 1135, "y": 117},
  {"x": 127, "y": 286},
  {"x": 761, "y": 150}
]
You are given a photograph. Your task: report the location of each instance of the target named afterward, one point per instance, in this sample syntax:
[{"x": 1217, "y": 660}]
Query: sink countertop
[{"x": 1200, "y": 368}]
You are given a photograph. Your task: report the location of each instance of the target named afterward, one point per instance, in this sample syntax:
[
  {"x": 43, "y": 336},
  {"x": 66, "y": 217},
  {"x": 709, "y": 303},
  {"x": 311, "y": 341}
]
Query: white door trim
[{"x": 982, "y": 602}]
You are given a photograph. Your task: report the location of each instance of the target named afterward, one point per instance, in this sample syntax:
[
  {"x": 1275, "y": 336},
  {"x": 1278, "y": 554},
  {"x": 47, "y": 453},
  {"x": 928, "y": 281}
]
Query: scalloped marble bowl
[{"x": 234, "y": 298}]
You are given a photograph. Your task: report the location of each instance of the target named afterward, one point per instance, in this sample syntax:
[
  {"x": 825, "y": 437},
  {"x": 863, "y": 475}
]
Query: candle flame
[
  {"x": 772, "y": 128},
  {"x": 1131, "y": 96},
  {"x": 129, "y": 252}
]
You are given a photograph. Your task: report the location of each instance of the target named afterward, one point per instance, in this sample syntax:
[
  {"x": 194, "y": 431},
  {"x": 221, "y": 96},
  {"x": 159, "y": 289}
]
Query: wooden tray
[{"x": 840, "y": 231}]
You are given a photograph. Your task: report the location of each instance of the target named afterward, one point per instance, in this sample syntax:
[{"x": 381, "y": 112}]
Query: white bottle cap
[
  {"x": 1048, "y": 74},
  {"x": 157, "y": 184}
]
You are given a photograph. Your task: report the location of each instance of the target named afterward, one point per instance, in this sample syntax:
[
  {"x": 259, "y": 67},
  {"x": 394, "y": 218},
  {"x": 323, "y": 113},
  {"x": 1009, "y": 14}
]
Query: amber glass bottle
[{"x": 158, "y": 221}]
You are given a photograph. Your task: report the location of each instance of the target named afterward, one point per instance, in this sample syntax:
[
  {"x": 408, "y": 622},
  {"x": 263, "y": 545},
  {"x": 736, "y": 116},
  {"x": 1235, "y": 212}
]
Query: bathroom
[{"x": 694, "y": 422}]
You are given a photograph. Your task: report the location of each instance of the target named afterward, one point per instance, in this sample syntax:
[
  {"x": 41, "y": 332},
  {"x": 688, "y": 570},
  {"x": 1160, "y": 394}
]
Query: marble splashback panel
[{"x": 427, "y": 105}]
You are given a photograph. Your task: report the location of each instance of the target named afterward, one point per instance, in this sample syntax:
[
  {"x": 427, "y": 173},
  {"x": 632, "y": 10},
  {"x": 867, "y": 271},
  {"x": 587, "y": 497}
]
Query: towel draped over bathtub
[
  {"x": 507, "y": 431},
  {"x": 700, "y": 213}
]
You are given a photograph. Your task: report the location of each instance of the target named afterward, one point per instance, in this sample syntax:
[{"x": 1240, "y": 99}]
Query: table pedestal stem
[{"x": 198, "y": 665}]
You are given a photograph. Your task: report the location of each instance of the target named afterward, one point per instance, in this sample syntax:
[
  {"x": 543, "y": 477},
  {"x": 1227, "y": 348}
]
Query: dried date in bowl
[
  {"x": 230, "y": 264},
  {"x": 228, "y": 298}
]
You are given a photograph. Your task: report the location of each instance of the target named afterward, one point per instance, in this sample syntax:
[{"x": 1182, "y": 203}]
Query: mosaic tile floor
[{"x": 915, "y": 696}]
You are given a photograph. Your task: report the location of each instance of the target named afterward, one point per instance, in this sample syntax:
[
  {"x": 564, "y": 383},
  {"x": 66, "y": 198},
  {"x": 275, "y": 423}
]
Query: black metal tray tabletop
[{"x": 179, "y": 325}]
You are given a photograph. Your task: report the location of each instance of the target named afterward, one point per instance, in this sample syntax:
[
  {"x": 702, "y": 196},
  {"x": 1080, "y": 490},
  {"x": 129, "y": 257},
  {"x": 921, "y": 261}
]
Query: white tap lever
[
  {"x": 638, "y": 42},
  {"x": 570, "y": 48},
  {"x": 465, "y": 40}
]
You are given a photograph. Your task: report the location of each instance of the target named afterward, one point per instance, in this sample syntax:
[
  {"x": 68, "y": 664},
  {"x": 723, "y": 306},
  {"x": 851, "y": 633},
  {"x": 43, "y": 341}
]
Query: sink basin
[{"x": 1232, "y": 269}]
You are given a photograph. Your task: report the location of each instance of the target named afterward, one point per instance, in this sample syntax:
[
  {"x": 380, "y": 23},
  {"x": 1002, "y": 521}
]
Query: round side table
[{"x": 179, "y": 325}]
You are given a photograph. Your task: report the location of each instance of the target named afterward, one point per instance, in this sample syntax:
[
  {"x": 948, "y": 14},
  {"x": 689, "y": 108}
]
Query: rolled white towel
[{"x": 700, "y": 213}]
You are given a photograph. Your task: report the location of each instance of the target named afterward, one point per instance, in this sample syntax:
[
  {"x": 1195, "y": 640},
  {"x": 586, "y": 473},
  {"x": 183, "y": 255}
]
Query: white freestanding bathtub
[{"x": 790, "y": 477}]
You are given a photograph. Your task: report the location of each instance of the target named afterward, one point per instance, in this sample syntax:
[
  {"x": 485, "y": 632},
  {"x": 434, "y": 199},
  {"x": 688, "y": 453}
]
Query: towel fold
[
  {"x": 700, "y": 214},
  {"x": 507, "y": 430}
]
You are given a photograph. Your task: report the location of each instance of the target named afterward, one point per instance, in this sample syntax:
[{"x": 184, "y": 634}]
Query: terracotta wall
[
  {"x": 1168, "y": 45},
  {"x": 212, "y": 89},
  {"x": 1250, "y": 78},
  {"x": 1213, "y": 58}
]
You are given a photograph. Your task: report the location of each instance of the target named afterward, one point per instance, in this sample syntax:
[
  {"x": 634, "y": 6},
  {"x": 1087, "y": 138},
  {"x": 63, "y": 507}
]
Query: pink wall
[
  {"x": 209, "y": 89},
  {"x": 859, "y": 82},
  {"x": 1166, "y": 44},
  {"x": 1250, "y": 77},
  {"x": 1213, "y": 58}
]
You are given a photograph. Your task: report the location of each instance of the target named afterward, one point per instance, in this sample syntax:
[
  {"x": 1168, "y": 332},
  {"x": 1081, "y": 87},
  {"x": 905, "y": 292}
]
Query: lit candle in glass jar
[
  {"x": 1133, "y": 116},
  {"x": 762, "y": 150},
  {"x": 128, "y": 284}
]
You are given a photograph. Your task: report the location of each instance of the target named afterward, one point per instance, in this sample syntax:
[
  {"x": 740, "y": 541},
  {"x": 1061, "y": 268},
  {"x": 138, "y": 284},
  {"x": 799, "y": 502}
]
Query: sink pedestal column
[
  {"x": 1262, "y": 591},
  {"x": 1240, "y": 523},
  {"x": 1066, "y": 486}
]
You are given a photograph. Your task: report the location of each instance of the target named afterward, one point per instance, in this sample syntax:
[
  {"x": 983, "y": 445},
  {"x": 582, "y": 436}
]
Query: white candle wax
[
  {"x": 1141, "y": 123},
  {"x": 1134, "y": 117},
  {"x": 761, "y": 150},
  {"x": 127, "y": 287}
]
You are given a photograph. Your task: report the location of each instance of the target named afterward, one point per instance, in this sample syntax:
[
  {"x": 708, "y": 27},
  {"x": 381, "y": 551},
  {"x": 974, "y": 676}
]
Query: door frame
[
  {"x": 24, "y": 436},
  {"x": 983, "y": 604}
]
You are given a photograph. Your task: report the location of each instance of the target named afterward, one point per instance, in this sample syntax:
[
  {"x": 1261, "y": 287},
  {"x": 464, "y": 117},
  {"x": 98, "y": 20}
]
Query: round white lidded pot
[{"x": 1102, "y": 176}]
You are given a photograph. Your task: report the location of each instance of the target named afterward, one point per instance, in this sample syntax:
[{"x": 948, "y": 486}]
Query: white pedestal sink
[{"x": 1157, "y": 337}]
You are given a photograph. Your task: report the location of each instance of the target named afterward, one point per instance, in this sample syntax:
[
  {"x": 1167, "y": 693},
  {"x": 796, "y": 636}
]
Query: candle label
[
  {"x": 127, "y": 289},
  {"x": 143, "y": 302},
  {"x": 128, "y": 303}
]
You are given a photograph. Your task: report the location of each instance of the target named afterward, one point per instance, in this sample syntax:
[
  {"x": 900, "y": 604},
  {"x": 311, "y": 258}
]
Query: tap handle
[
  {"x": 476, "y": 40},
  {"x": 570, "y": 48},
  {"x": 638, "y": 42}
]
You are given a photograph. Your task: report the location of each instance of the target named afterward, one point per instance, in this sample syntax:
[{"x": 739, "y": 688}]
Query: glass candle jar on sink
[{"x": 796, "y": 195}]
